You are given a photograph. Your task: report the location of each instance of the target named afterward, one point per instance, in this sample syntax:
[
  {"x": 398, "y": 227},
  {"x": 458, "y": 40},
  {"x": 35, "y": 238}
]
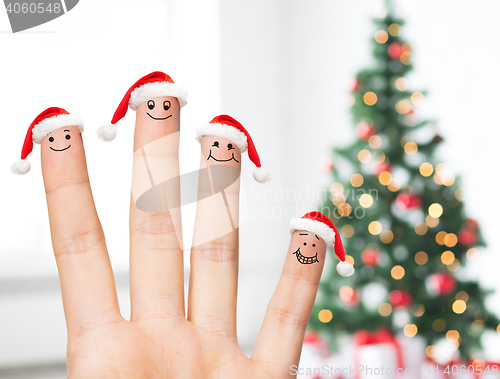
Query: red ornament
[
  {"x": 370, "y": 257},
  {"x": 395, "y": 50},
  {"x": 467, "y": 237},
  {"x": 385, "y": 166},
  {"x": 365, "y": 131},
  {"x": 442, "y": 284},
  {"x": 400, "y": 299},
  {"x": 408, "y": 201}
]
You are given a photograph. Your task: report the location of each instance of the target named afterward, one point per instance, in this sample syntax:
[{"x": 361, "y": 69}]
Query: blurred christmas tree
[{"x": 402, "y": 219}]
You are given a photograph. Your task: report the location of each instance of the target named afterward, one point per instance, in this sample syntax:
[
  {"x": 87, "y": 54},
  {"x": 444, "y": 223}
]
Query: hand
[{"x": 159, "y": 341}]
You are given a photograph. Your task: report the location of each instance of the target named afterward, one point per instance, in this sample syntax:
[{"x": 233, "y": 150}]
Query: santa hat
[
  {"x": 156, "y": 84},
  {"x": 227, "y": 127},
  {"x": 46, "y": 122},
  {"x": 319, "y": 224}
]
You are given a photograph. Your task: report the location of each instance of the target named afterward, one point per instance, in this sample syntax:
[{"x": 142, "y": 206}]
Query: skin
[{"x": 160, "y": 341}]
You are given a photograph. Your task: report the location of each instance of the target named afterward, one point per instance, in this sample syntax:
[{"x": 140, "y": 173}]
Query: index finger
[{"x": 87, "y": 283}]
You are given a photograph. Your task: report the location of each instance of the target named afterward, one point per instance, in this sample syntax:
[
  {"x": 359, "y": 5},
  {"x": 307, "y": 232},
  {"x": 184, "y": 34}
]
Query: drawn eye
[
  {"x": 151, "y": 104},
  {"x": 68, "y": 136},
  {"x": 230, "y": 146},
  {"x": 314, "y": 245},
  {"x": 216, "y": 144},
  {"x": 51, "y": 139},
  {"x": 305, "y": 244},
  {"x": 166, "y": 105}
]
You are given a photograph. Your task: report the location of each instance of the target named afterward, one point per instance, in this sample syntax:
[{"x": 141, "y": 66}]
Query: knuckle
[
  {"x": 80, "y": 243},
  {"x": 288, "y": 317}
]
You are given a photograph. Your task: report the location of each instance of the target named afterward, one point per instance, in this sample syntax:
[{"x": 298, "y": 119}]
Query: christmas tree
[{"x": 401, "y": 216}]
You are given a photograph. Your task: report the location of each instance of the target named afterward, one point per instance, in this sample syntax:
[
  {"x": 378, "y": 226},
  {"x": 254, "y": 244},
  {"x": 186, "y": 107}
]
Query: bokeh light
[
  {"x": 410, "y": 330},
  {"x": 435, "y": 210},
  {"x": 385, "y": 178},
  {"x": 325, "y": 315},
  {"x": 366, "y": 200},
  {"x": 394, "y": 30},
  {"x": 411, "y": 148},
  {"x": 385, "y": 309},
  {"x": 375, "y": 228},
  {"x": 381, "y": 36},
  {"x": 398, "y": 272},
  {"x": 364, "y": 156},
  {"x": 459, "y": 306},
  {"x": 370, "y": 98},
  {"x": 447, "y": 257},
  {"x": 386, "y": 236},
  {"x": 426, "y": 169},
  {"x": 417, "y": 98},
  {"x": 402, "y": 84},
  {"x": 421, "y": 258},
  {"x": 356, "y": 180},
  {"x": 347, "y": 231},
  {"x": 375, "y": 141}
]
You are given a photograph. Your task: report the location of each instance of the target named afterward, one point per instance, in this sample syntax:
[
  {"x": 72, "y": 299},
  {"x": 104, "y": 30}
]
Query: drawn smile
[
  {"x": 305, "y": 260},
  {"x": 66, "y": 148},
  {"x": 159, "y": 118},
  {"x": 222, "y": 160}
]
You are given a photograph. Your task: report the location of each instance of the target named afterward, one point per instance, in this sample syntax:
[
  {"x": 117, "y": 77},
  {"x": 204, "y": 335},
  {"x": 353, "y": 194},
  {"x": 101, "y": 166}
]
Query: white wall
[{"x": 282, "y": 68}]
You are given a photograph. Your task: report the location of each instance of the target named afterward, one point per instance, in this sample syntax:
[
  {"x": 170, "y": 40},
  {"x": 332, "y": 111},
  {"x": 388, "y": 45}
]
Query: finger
[
  {"x": 282, "y": 333},
  {"x": 214, "y": 254},
  {"x": 156, "y": 258},
  {"x": 87, "y": 283}
]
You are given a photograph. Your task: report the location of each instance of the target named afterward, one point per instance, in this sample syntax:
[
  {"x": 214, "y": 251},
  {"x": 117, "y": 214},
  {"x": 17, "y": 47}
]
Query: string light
[
  {"x": 450, "y": 240},
  {"x": 454, "y": 266},
  {"x": 381, "y": 36},
  {"x": 429, "y": 351},
  {"x": 462, "y": 295},
  {"x": 459, "y": 194},
  {"x": 385, "y": 309},
  {"x": 394, "y": 185},
  {"x": 344, "y": 209},
  {"x": 370, "y": 98},
  {"x": 336, "y": 188},
  {"x": 366, "y": 200},
  {"x": 440, "y": 237},
  {"x": 452, "y": 335},
  {"x": 447, "y": 257},
  {"x": 349, "y": 259},
  {"x": 398, "y": 272},
  {"x": 411, "y": 148},
  {"x": 364, "y": 156},
  {"x": 421, "y": 228},
  {"x": 418, "y": 310},
  {"x": 435, "y": 210},
  {"x": 410, "y": 330},
  {"x": 375, "y": 142},
  {"x": 375, "y": 228},
  {"x": 426, "y": 169},
  {"x": 356, "y": 180},
  {"x": 405, "y": 58},
  {"x": 417, "y": 98},
  {"x": 325, "y": 315},
  {"x": 347, "y": 231},
  {"x": 386, "y": 236},
  {"x": 459, "y": 307},
  {"x": 338, "y": 199},
  {"x": 472, "y": 254},
  {"x": 402, "y": 84},
  {"x": 432, "y": 222},
  {"x": 394, "y": 30},
  {"x": 385, "y": 178},
  {"x": 421, "y": 258},
  {"x": 403, "y": 106}
]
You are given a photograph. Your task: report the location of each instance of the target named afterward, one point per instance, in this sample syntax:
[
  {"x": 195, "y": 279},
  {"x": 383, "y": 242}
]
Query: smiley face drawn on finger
[
  {"x": 311, "y": 243},
  {"x": 59, "y": 139},
  {"x": 221, "y": 150},
  {"x": 159, "y": 110}
]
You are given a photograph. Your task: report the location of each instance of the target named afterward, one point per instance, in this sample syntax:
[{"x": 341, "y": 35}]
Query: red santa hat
[
  {"x": 227, "y": 127},
  {"x": 49, "y": 120},
  {"x": 156, "y": 84},
  {"x": 319, "y": 224}
]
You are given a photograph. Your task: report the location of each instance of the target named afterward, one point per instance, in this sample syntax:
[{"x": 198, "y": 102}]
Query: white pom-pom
[
  {"x": 345, "y": 269},
  {"x": 20, "y": 167},
  {"x": 107, "y": 133},
  {"x": 261, "y": 175}
]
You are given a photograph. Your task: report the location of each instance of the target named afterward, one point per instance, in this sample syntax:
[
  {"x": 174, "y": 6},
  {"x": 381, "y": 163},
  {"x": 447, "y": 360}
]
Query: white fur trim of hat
[
  {"x": 225, "y": 131},
  {"x": 316, "y": 227},
  {"x": 50, "y": 124},
  {"x": 157, "y": 89}
]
